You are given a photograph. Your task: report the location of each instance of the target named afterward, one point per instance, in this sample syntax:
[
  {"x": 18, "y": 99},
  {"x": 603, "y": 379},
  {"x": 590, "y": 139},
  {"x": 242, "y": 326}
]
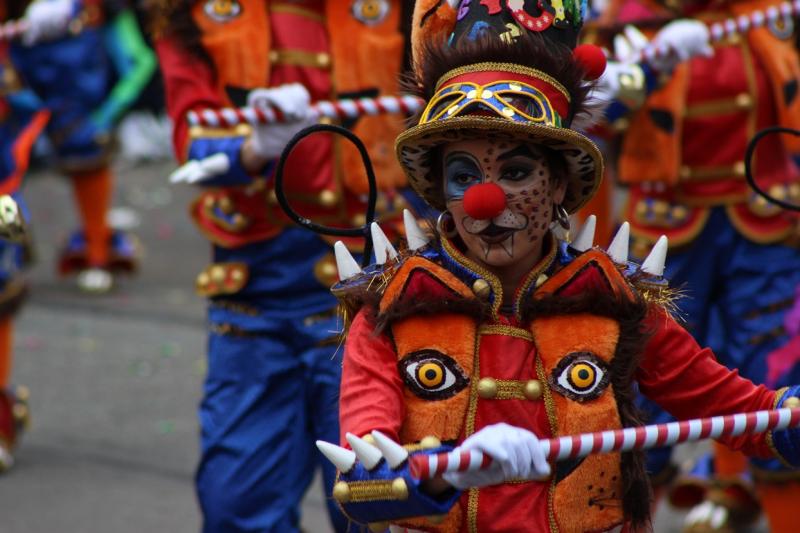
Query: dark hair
[{"x": 172, "y": 19}]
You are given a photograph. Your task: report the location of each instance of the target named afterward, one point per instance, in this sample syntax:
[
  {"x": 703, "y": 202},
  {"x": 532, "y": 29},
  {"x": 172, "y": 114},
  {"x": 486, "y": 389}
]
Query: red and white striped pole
[
  {"x": 737, "y": 25},
  {"x": 341, "y": 109},
  {"x": 618, "y": 440}
]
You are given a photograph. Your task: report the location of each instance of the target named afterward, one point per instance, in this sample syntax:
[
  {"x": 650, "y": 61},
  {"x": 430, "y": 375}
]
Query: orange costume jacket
[
  {"x": 684, "y": 150},
  {"x": 449, "y": 360},
  {"x": 336, "y": 51}
]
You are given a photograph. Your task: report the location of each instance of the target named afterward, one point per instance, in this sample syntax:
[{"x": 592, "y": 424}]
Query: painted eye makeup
[
  {"x": 461, "y": 171},
  {"x": 516, "y": 172}
]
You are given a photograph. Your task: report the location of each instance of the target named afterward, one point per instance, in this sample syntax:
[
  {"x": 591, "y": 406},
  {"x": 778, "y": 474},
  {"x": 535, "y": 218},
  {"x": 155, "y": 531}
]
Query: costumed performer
[
  {"x": 273, "y": 374},
  {"x": 497, "y": 334},
  {"x": 87, "y": 78}
]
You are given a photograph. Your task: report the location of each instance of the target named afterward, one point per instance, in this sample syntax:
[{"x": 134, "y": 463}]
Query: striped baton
[{"x": 618, "y": 440}]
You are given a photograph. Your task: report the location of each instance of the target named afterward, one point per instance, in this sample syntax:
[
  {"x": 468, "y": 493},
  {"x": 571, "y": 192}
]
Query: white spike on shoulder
[
  {"x": 380, "y": 243},
  {"x": 342, "y": 458},
  {"x": 345, "y": 263},
  {"x": 368, "y": 454},
  {"x": 654, "y": 263},
  {"x": 618, "y": 249},
  {"x": 414, "y": 235},
  {"x": 584, "y": 240},
  {"x": 394, "y": 453}
]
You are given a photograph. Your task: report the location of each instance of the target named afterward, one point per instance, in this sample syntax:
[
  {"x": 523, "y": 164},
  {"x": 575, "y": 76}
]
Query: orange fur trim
[
  {"x": 394, "y": 291},
  {"x": 648, "y": 152},
  {"x": 454, "y": 335},
  {"x": 589, "y": 497},
  {"x": 430, "y": 24},
  {"x": 591, "y": 259}
]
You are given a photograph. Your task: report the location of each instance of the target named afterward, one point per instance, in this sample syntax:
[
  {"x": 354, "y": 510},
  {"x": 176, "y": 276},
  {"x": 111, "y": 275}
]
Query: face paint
[{"x": 523, "y": 172}]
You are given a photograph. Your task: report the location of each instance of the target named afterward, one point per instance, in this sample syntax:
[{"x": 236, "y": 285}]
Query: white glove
[
  {"x": 629, "y": 44},
  {"x": 680, "y": 41},
  {"x": 198, "y": 171},
  {"x": 517, "y": 454},
  {"x": 294, "y": 102},
  {"x": 46, "y": 19}
]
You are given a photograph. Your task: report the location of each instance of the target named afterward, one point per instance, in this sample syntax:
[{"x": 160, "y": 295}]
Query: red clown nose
[{"x": 484, "y": 201}]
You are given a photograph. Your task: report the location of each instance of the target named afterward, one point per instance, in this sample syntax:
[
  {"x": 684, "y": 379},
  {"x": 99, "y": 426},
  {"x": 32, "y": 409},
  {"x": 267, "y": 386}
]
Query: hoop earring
[
  {"x": 446, "y": 219},
  {"x": 562, "y": 217}
]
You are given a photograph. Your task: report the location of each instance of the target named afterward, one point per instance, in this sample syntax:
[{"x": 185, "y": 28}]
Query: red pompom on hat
[
  {"x": 592, "y": 59},
  {"x": 484, "y": 201}
]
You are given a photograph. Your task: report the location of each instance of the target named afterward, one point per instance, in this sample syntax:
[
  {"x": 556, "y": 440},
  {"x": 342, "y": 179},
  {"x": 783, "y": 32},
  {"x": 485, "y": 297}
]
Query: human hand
[
  {"x": 47, "y": 20},
  {"x": 517, "y": 454},
  {"x": 268, "y": 140},
  {"x": 680, "y": 41}
]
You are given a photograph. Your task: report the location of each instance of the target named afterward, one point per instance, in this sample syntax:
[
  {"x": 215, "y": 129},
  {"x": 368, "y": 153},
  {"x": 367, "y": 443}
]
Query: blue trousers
[
  {"x": 271, "y": 390},
  {"x": 737, "y": 293}
]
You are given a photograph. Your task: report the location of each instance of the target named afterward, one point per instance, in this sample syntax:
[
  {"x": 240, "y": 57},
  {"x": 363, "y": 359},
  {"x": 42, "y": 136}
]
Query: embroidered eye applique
[
  {"x": 580, "y": 376},
  {"x": 432, "y": 375},
  {"x": 222, "y": 10},
  {"x": 370, "y": 12}
]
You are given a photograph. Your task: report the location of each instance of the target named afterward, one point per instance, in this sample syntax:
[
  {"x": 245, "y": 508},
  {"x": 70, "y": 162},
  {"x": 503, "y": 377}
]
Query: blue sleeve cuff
[
  {"x": 385, "y": 494},
  {"x": 786, "y": 442},
  {"x": 231, "y": 146}
]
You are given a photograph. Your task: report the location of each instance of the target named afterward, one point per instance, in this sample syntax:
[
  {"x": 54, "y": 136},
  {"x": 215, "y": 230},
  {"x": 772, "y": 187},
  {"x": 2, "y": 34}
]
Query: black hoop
[
  {"x": 748, "y": 167},
  {"x": 363, "y": 231}
]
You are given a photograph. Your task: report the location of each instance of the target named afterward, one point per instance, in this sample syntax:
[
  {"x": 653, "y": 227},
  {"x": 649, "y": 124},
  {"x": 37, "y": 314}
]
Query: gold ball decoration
[
  {"x": 481, "y": 289},
  {"x": 341, "y": 492},
  {"x": 399, "y": 489},
  {"x": 532, "y": 389},
  {"x": 792, "y": 402},
  {"x": 328, "y": 198},
  {"x": 487, "y": 388},
  {"x": 430, "y": 442},
  {"x": 217, "y": 274}
]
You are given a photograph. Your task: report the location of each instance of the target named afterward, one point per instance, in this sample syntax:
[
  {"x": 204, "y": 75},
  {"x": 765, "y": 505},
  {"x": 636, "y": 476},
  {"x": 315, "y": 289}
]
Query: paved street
[{"x": 115, "y": 379}]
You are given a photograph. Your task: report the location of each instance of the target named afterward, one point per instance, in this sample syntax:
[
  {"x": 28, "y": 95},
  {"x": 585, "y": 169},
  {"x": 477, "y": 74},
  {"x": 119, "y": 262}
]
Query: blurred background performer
[
  {"x": 273, "y": 371},
  {"x": 87, "y": 79},
  {"x": 682, "y": 157},
  {"x": 21, "y": 122}
]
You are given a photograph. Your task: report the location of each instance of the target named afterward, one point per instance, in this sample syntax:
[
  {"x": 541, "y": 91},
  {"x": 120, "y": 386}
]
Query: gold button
[
  {"x": 323, "y": 59},
  {"x": 792, "y": 402},
  {"x": 274, "y": 56},
  {"x": 327, "y": 198},
  {"x": 641, "y": 209},
  {"x": 399, "y": 489},
  {"x": 660, "y": 208},
  {"x": 209, "y": 201},
  {"x": 430, "y": 442},
  {"x": 203, "y": 280},
  {"x": 778, "y": 192},
  {"x": 341, "y": 492},
  {"x": 217, "y": 274},
  {"x": 328, "y": 270},
  {"x": 237, "y": 275},
  {"x": 679, "y": 212},
  {"x": 794, "y": 190},
  {"x": 541, "y": 279},
  {"x": 487, "y": 388},
  {"x": 22, "y": 393},
  {"x": 738, "y": 168},
  {"x": 359, "y": 219},
  {"x": 533, "y": 389},
  {"x": 744, "y": 101},
  {"x": 481, "y": 288},
  {"x": 685, "y": 172},
  {"x": 226, "y": 205},
  {"x": 239, "y": 220}
]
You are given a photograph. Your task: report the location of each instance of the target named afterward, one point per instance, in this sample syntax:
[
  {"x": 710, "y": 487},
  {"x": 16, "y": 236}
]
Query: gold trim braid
[{"x": 513, "y": 68}]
